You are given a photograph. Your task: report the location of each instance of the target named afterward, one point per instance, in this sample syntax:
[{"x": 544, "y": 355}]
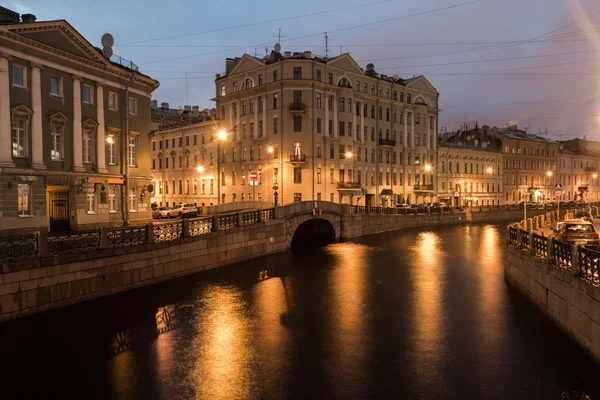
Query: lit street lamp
[
  {"x": 221, "y": 137},
  {"x": 271, "y": 151},
  {"x": 490, "y": 170}
]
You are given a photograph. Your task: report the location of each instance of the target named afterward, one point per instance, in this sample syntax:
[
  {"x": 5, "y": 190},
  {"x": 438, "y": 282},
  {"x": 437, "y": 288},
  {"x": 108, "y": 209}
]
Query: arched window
[{"x": 248, "y": 83}]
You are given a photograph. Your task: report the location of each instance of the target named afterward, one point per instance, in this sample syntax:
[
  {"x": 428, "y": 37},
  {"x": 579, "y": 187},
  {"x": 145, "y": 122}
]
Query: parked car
[
  {"x": 584, "y": 215},
  {"x": 421, "y": 208},
  {"x": 154, "y": 206},
  {"x": 579, "y": 232},
  {"x": 185, "y": 210},
  {"x": 436, "y": 207},
  {"x": 403, "y": 205},
  {"x": 162, "y": 212}
]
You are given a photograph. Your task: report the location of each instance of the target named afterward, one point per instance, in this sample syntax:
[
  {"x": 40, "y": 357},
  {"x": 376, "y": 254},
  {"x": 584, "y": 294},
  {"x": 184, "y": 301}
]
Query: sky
[{"x": 531, "y": 62}]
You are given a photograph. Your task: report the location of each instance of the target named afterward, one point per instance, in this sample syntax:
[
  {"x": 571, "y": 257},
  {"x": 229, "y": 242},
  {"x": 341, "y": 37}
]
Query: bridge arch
[{"x": 308, "y": 230}]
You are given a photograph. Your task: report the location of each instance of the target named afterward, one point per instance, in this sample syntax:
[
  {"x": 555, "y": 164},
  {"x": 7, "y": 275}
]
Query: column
[
  {"x": 256, "y": 118},
  {"x": 412, "y": 130},
  {"x": 231, "y": 116},
  {"x": 5, "y": 136},
  {"x": 77, "y": 134},
  {"x": 100, "y": 134},
  {"x": 428, "y": 139},
  {"x": 405, "y": 129},
  {"x": 354, "y": 121},
  {"x": 362, "y": 119},
  {"x": 37, "y": 137},
  {"x": 327, "y": 133},
  {"x": 264, "y": 131},
  {"x": 435, "y": 134},
  {"x": 335, "y": 117},
  {"x": 238, "y": 134}
]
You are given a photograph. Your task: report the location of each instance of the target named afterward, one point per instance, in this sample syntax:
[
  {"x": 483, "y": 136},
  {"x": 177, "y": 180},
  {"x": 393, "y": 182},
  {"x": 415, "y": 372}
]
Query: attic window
[{"x": 223, "y": 90}]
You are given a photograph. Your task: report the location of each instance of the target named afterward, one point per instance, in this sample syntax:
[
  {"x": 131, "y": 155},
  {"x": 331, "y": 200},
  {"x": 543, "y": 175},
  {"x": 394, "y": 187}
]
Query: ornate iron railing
[
  {"x": 540, "y": 246},
  {"x": 562, "y": 256},
  {"x": 588, "y": 265},
  {"x": 18, "y": 247},
  {"x": 268, "y": 214},
  {"x": 127, "y": 236},
  {"x": 200, "y": 226},
  {"x": 524, "y": 240},
  {"x": 250, "y": 217},
  {"x": 73, "y": 242},
  {"x": 167, "y": 232},
  {"x": 227, "y": 221},
  {"x": 513, "y": 236}
]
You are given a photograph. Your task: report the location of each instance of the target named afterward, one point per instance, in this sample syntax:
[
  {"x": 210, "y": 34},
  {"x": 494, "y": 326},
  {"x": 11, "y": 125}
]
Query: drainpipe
[{"x": 124, "y": 150}]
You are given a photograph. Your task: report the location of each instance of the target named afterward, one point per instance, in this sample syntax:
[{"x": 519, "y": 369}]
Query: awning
[{"x": 386, "y": 192}]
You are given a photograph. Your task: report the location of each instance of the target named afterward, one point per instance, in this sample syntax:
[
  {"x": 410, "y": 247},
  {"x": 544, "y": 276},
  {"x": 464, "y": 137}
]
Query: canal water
[{"x": 416, "y": 314}]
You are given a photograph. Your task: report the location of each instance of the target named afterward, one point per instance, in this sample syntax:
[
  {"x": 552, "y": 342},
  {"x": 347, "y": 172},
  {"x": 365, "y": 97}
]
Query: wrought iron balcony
[
  {"x": 387, "y": 142},
  {"x": 349, "y": 185},
  {"x": 297, "y": 107},
  {"x": 297, "y": 158},
  {"x": 424, "y": 187},
  {"x": 590, "y": 169}
]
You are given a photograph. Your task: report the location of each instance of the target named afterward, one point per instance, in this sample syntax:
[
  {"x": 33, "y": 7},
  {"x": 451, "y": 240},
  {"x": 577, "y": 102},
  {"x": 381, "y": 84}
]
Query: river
[{"x": 414, "y": 314}]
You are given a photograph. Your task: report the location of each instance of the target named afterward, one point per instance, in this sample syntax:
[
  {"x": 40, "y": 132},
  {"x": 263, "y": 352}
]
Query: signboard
[
  {"x": 253, "y": 175},
  {"x": 558, "y": 193},
  {"x": 253, "y": 183},
  {"x": 558, "y": 186}
]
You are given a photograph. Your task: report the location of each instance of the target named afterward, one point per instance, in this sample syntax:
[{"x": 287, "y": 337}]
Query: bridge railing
[{"x": 580, "y": 261}]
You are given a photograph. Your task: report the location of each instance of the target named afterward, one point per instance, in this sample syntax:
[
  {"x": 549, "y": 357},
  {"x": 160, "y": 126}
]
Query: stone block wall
[
  {"x": 366, "y": 224},
  {"x": 572, "y": 303}
]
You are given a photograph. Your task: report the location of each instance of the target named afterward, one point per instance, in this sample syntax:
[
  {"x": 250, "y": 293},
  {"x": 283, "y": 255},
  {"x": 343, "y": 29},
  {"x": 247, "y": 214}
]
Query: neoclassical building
[
  {"x": 74, "y": 130},
  {"x": 324, "y": 129}
]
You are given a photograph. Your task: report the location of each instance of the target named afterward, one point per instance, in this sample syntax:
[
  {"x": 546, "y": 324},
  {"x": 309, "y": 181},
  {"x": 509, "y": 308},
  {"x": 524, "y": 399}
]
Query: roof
[{"x": 468, "y": 147}]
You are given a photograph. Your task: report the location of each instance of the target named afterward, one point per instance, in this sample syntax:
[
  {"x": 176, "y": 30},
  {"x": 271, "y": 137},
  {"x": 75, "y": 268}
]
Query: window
[
  {"x": 133, "y": 199},
  {"x": 112, "y": 101},
  {"x": 319, "y": 75},
  {"x": 341, "y": 104},
  {"x": 276, "y": 100},
  {"x": 251, "y": 105},
  {"x": 297, "y": 73},
  {"x": 55, "y": 86},
  {"x": 341, "y": 128},
  {"x": 318, "y": 150},
  {"x": 111, "y": 144},
  {"x": 56, "y": 152},
  {"x": 131, "y": 153},
  {"x": 297, "y": 196},
  {"x": 91, "y": 203},
  {"x": 248, "y": 83},
  {"x": 87, "y": 94},
  {"x": 318, "y": 175},
  {"x": 19, "y": 138},
  {"x": 19, "y": 76},
  {"x": 331, "y": 150},
  {"x": 260, "y": 103},
  {"x": 132, "y": 106},
  {"x": 24, "y": 199},
  {"x": 318, "y": 100},
  {"x": 330, "y": 79},
  {"x": 223, "y": 92},
  {"x": 112, "y": 199},
  {"x": 88, "y": 146},
  {"x": 244, "y": 108},
  {"x": 275, "y": 125},
  {"x": 297, "y": 123},
  {"x": 319, "y": 125},
  {"x": 275, "y": 76},
  {"x": 275, "y": 175},
  {"x": 298, "y": 175}
]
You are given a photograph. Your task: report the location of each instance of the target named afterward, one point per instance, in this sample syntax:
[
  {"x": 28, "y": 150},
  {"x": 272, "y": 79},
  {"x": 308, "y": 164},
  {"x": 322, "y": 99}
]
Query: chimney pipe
[
  {"x": 287, "y": 54},
  {"x": 308, "y": 54},
  {"x": 154, "y": 104},
  {"x": 28, "y": 18},
  {"x": 164, "y": 105}
]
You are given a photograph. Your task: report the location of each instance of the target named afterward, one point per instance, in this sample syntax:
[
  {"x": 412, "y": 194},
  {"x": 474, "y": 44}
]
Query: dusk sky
[{"x": 551, "y": 75}]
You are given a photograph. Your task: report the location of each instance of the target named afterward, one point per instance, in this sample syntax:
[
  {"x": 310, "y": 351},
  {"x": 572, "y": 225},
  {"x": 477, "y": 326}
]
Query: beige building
[
  {"x": 74, "y": 127},
  {"x": 338, "y": 132},
  {"x": 578, "y": 170},
  {"x": 469, "y": 172}
]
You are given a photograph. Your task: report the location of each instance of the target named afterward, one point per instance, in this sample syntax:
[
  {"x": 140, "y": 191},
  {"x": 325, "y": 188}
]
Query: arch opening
[{"x": 313, "y": 233}]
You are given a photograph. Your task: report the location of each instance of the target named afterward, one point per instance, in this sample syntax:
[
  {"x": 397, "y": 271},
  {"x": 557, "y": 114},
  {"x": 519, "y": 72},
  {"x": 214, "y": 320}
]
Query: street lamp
[
  {"x": 271, "y": 151},
  {"x": 350, "y": 156},
  {"x": 200, "y": 169},
  {"x": 221, "y": 137},
  {"x": 490, "y": 170}
]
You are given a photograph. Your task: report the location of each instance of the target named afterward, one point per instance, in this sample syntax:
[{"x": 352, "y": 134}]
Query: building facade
[
  {"x": 577, "y": 170},
  {"x": 77, "y": 125},
  {"x": 335, "y": 132}
]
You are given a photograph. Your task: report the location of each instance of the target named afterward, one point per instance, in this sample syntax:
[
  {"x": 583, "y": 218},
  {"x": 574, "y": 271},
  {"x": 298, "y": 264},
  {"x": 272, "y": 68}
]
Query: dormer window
[{"x": 248, "y": 84}]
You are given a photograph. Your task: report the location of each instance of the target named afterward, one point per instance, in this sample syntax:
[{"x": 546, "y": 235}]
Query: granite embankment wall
[{"x": 570, "y": 301}]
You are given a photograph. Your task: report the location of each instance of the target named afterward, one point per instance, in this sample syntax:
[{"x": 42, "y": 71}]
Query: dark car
[
  {"x": 420, "y": 207},
  {"x": 436, "y": 207},
  {"x": 585, "y": 215},
  {"x": 579, "y": 232}
]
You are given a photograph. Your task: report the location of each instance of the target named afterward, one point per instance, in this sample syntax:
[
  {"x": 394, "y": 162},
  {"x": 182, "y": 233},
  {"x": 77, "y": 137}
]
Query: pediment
[
  {"x": 90, "y": 123},
  {"x": 58, "y": 117},
  {"x": 346, "y": 62},
  {"x": 421, "y": 83},
  {"x": 59, "y": 35},
  {"x": 246, "y": 63},
  {"x": 22, "y": 110}
]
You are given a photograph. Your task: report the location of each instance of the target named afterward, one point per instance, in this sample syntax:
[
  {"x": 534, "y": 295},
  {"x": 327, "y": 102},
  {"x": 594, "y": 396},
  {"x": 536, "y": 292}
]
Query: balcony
[
  {"x": 349, "y": 187},
  {"x": 297, "y": 107},
  {"x": 387, "y": 142},
  {"x": 590, "y": 169},
  {"x": 297, "y": 158},
  {"x": 423, "y": 188}
]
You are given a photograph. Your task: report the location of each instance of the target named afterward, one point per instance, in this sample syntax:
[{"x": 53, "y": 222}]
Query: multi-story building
[
  {"x": 469, "y": 170},
  {"x": 184, "y": 152},
  {"x": 335, "y": 131},
  {"x": 577, "y": 170},
  {"x": 74, "y": 127}
]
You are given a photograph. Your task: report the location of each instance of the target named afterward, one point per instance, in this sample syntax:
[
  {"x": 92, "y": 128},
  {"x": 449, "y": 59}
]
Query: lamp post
[
  {"x": 428, "y": 168},
  {"x": 549, "y": 175},
  {"x": 221, "y": 137},
  {"x": 200, "y": 170},
  {"x": 490, "y": 170},
  {"x": 271, "y": 151},
  {"x": 350, "y": 156}
]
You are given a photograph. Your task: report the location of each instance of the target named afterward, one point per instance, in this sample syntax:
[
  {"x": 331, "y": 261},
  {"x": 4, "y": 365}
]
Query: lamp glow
[
  {"x": 549, "y": 173},
  {"x": 200, "y": 169},
  {"x": 110, "y": 140},
  {"x": 222, "y": 135},
  {"x": 428, "y": 168},
  {"x": 490, "y": 170},
  {"x": 594, "y": 176},
  {"x": 348, "y": 155},
  {"x": 270, "y": 149}
]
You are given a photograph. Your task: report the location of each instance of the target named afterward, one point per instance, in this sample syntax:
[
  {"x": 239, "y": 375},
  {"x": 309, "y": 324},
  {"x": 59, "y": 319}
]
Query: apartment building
[
  {"x": 184, "y": 155},
  {"x": 74, "y": 126},
  {"x": 578, "y": 170},
  {"x": 324, "y": 129},
  {"x": 469, "y": 171}
]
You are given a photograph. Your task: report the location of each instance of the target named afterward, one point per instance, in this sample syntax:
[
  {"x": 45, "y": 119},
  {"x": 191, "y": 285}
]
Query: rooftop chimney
[
  {"x": 187, "y": 108},
  {"x": 287, "y": 54},
  {"x": 28, "y": 18},
  {"x": 164, "y": 105},
  {"x": 229, "y": 63},
  {"x": 154, "y": 104},
  {"x": 196, "y": 111},
  {"x": 307, "y": 54}
]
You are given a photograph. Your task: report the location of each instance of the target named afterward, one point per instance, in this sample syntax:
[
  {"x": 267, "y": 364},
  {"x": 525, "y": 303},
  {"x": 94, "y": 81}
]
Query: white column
[
  {"x": 238, "y": 134},
  {"x": 428, "y": 130},
  {"x": 354, "y": 122},
  {"x": 100, "y": 134},
  {"x": 362, "y": 119},
  {"x": 5, "y": 136},
  {"x": 231, "y": 116},
  {"x": 335, "y": 117},
  {"x": 327, "y": 133},
  {"x": 405, "y": 129},
  {"x": 435, "y": 133},
  {"x": 412, "y": 129},
  {"x": 37, "y": 137},
  {"x": 77, "y": 138},
  {"x": 264, "y": 132}
]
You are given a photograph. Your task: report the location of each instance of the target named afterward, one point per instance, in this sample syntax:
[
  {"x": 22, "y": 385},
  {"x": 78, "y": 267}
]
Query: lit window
[
  {"x": 132, "y": 106},
  {"x": 19, "y": 143},
  {"x": 91, "y": 203},
  {"x": 24, "y": 199},
  {"x": 133, "y": 200},
  {"x": 223, "y": 90},
  {"x": 111, "y": 143},
  {"x": 131, "y": 153},
  {"x": 19, "y": 76},
  {"x": 112, "y": 199},
  {"x": 88, "y": 146},
  {"x": 55, "y": 86},
  {"x": 56, "y": 153}
]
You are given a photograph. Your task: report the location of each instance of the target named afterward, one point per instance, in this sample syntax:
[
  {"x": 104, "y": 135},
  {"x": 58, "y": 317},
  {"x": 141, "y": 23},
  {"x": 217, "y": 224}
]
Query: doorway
[{"x": 58, "y": 208}]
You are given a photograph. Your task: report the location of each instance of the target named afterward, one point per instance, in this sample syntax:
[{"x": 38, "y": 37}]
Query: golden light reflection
[
  {"x": 222, "y": 346},
  {"x": 427, "y": 270}
]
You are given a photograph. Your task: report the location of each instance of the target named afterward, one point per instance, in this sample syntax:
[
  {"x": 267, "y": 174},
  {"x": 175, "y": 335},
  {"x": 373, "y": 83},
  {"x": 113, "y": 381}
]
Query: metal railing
[
  {"x": 524, "y": 245},
  {"x": 297, "y": 107},
  {"x": 540, "y": 246},
  {"x": 228, "y": 221},
  {"x": 167, "y": 232},
  {"x": 18, "y": 247},
  {"x": 513, "y": 236},
  {"x": 268, "y": 214},
  {"x": 423, "y": 187},
  {"x": 200, "y": 226},
  {"x": 349, "y": 185},
  {"x": 297, "y": 157},
  {"x": 127, "y": 236},
  {"x": 561, "y": 255},
  {"x": 73, "y": 242},
  {"x": 588, "y": 265},
  {"x": 250, "y": 217},
  {"x": 387, "y": 142}
]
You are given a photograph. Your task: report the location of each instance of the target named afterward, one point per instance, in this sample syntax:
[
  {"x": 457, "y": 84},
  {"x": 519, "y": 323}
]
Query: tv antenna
[
  {"x": 278, "y": 35},
  {"x": 326, "y": 45}
]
